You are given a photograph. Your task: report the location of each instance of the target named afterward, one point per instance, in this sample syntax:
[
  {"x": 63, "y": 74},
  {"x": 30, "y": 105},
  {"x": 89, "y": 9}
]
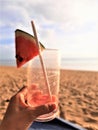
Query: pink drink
[{"x": 37, "y": 98}]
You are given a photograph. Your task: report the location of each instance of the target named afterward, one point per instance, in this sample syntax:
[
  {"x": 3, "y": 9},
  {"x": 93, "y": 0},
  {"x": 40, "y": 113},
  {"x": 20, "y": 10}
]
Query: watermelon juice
[{"x": 37, "y": 99}]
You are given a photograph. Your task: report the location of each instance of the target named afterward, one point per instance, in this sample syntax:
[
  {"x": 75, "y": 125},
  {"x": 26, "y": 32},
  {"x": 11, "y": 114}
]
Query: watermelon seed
[{"x": 19, "y": 58}]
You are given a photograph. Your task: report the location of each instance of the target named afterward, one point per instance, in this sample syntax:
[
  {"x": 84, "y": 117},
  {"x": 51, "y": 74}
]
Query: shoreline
[{"x": 61, "y": 69}]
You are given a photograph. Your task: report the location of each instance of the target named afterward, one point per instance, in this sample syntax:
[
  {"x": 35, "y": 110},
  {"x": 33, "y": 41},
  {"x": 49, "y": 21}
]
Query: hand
[{"x": 20, "y": 115}]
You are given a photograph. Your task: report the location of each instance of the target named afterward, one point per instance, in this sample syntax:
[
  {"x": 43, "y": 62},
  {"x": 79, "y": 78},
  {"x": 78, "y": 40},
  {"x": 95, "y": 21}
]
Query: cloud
[
  {"x": 68, "y": 25},
  {"x": 7, "y": 51}
]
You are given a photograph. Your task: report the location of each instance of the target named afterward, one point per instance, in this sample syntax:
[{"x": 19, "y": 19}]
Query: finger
[
  {"x": 21, "y": 96},
  {"x": 23, "y": 90},
  {"x": 44, "y": 109}
]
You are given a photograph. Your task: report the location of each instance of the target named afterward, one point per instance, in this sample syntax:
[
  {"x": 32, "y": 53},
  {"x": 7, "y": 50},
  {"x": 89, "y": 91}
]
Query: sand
[{"x": 78, "y": 96}]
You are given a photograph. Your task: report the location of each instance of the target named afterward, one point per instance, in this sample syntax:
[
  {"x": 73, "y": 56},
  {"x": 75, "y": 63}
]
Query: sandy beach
[{"x": 78, "y": 96}]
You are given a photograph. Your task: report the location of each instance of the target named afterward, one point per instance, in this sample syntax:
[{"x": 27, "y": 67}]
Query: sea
[{"x": 87, "y": 64}]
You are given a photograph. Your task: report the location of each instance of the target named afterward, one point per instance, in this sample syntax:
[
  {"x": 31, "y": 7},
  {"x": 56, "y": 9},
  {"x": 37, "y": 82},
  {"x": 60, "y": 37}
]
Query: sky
[{"x": 68, "y": 25}]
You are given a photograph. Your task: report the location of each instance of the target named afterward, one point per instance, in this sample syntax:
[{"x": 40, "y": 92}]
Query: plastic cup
[{"x": 39, "y": 93}]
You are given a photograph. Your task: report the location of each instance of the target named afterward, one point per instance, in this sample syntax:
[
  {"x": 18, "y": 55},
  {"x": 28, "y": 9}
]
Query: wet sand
[{"x": 78, "y": 96}]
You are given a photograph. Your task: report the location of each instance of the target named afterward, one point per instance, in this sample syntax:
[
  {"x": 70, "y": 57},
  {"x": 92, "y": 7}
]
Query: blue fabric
[{"x": 56, "y": 124}]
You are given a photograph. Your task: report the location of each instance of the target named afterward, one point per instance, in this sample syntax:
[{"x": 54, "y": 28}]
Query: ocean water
[
  {"x": 89, "y": 64},
  {"x": 7, "y": 62}
]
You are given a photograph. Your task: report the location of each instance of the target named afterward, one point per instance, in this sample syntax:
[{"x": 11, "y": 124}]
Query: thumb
[{"x": 44, "y": 109}]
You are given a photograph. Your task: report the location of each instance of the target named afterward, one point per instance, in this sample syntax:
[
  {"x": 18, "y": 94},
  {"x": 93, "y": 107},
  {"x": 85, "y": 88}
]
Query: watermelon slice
[{"x": 26, "y": 47}]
